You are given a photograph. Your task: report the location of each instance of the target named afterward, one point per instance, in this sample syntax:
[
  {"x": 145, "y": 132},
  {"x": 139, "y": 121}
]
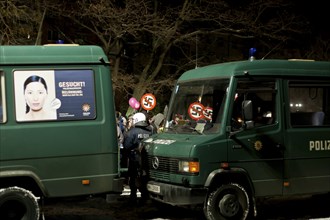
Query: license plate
[{"x": 153, "y": 188}]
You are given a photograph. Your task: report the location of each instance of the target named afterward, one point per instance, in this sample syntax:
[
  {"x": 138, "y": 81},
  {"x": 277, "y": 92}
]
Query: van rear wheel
[
  {"x": 18, "y": 204},
  {"x": 229, "y": 201}
]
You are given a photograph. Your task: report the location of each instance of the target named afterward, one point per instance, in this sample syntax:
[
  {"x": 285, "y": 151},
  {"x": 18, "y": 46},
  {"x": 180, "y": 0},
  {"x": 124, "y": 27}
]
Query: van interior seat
[{"x": 307, "y": 118}]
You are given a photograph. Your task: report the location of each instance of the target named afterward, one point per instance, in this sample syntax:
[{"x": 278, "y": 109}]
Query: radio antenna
[
  {"x": 272, "y": 50},
  {"x": 196, "y": 65}
]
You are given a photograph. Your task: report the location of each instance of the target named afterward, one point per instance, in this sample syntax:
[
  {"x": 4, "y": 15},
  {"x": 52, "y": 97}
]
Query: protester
[
  {"x": 122, "y": 122},
  {"x": 123, "y": 152},
  {"x": 151, "y": 124},
  {"x": 120, "y": 137},
  {"x": 129, "y": 122}
]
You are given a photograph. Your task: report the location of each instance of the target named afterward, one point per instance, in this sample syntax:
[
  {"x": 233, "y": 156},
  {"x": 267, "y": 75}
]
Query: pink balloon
[
  {"x": 136, "y": 105},
  {"x": 132, "y": 102}
]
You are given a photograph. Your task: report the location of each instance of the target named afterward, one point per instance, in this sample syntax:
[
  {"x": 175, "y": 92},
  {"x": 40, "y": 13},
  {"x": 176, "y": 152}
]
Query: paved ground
[{"x": 97, "y": 208}]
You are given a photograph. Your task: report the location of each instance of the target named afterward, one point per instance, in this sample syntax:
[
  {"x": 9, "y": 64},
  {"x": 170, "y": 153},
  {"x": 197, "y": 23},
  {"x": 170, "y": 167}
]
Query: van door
[
  {"x": 256, "y": 144},
  {"x": 308, "y": 136}
]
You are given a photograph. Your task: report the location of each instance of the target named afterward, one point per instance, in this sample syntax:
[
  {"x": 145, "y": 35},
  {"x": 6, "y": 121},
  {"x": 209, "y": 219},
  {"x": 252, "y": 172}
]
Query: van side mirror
[{"x": 247, "y": 110}]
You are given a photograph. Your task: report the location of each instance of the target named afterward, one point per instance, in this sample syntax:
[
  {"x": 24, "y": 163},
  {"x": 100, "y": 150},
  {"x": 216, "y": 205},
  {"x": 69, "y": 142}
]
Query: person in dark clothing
[{"x": 132, "y": 140}]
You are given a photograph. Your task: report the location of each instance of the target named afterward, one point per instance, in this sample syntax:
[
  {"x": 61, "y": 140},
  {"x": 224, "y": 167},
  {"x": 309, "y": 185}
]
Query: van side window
[
  {"x": 262, "y": 93},
  {"x": 2, "y": 98},
  {"x": 309, "y": 103}
]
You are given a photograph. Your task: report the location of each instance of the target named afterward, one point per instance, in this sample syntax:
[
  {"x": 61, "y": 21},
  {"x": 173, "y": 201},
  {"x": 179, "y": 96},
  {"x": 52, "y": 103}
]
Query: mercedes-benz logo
[{"x": 155, "y": 162}]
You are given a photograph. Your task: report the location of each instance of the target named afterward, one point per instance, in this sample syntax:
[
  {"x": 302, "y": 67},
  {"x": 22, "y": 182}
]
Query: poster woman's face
[{"x": 35, "y": 95}]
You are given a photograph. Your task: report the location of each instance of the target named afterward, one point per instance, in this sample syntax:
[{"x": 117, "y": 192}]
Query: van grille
[{"x": 166, "y": 167}]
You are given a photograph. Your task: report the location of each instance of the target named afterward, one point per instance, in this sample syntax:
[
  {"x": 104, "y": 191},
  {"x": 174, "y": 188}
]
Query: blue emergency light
[{"x": 252, "y": 53}]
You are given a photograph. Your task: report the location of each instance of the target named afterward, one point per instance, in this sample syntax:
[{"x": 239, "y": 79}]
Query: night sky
[{"x": 317, "y": 12}]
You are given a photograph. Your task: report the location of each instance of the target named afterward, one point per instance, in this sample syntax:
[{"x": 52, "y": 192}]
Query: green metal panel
[
  {"x": 20, "y": 55},
  {"x": 259, "y": 67}
]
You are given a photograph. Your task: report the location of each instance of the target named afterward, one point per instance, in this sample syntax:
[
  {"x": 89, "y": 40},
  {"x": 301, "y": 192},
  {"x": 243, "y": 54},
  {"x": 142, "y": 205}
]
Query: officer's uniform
[{"x": 131, "y": 143}]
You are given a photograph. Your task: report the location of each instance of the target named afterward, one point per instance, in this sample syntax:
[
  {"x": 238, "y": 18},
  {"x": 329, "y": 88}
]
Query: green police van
[
  {"x": 58, "y": 134},
  {"x": 241, "y": 131}
]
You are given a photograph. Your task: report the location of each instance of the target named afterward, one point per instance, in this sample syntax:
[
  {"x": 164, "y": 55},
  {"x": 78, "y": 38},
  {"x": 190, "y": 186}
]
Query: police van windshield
[{"x": 197, "y": 107}]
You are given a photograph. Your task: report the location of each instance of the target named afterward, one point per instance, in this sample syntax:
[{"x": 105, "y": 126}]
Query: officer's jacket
[{"x": 134, "y": 136}]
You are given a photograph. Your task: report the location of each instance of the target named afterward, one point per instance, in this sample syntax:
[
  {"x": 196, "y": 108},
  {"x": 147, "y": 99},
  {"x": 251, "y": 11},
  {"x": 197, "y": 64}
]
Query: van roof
[
  {"x": 271, "y": 67},
  {"x": 61, "y": 54}
]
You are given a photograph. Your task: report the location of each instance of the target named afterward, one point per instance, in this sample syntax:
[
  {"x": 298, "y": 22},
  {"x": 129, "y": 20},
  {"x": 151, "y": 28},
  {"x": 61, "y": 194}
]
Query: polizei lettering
[
  {"x": 319, "y": 145},
  {"x": 142, "y": 136}
]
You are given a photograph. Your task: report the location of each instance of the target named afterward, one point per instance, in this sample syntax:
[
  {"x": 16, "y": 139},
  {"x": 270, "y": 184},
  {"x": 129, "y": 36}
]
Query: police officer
[{"x": 133, "y": 137}]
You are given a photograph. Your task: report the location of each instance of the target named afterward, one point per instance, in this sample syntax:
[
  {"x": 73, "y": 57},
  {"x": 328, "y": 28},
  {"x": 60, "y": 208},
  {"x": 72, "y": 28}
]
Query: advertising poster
[{"x": 54, "y": 95}]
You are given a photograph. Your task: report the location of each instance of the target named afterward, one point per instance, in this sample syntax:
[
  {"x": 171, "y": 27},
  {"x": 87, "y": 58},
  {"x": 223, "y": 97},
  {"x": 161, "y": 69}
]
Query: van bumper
[
  {"x": 176, "y": 195},
  {"x": 118, "y": 184}
]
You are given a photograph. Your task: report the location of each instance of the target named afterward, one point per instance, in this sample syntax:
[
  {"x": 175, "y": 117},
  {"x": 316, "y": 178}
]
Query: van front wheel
[
  {"x": 229, "y": 201},
  {"x": 18, "y": 203}
]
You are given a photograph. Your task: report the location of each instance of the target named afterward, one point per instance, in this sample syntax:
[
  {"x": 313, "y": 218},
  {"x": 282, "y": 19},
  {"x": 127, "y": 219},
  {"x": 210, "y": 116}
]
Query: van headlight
[{"x": 191, "y": 167}]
